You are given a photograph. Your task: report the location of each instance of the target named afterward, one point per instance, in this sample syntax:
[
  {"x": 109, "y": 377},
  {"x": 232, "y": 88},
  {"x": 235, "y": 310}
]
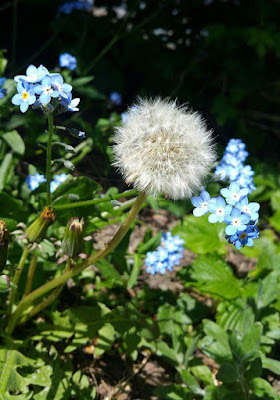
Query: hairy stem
[
  {"x": 77, "y": 268},
  {"x": 17, "y": 277},
  {"x": 95, "y": 201},
  {"x": 49, "y": 158},
  {"x": 30, "y": 275}
]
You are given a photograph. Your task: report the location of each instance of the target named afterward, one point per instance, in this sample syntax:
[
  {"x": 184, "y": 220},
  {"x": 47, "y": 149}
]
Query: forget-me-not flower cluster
[
  {"x": 232, "y": 168},
  {"x": 67, "y": 8},
  {"x": 233, "y": 208},
  {"x": 66, "y": 60},
  {"x": 43, "y": 90},
  {"x": 168, "y": 254},
  {"x": 2, "y": 90},
  {"x": 33, "y": 181}
]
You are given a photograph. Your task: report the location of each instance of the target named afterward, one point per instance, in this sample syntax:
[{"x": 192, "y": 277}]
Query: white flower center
[
  {"x": 235, "y": 196},
  {"x": 236, "y": 222},
  {"x": 220, "y": 211},
  {"x": 33, "y": 77},
  {"x": 204, "y": 205},
  {"x": 246, "y": 209},
  {"x": 48, "y": 90}
]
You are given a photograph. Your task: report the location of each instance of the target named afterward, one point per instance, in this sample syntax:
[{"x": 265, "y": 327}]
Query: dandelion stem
[
  {"x": 49, "y": 158},
  {"x": 17, "y": 277},
  {"x": 30, "y": 275},
  {"x": 48, "y": 300},
  {"x": 95, "y": 201},
  {"x": 60, "y": 280}
]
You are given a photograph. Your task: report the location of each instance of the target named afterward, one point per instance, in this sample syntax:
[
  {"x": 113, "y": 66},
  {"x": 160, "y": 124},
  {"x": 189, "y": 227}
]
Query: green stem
[
  {"x": 95, "y": 201},
  {"x": 17, "y": 277},
  {"x": 49, "y": 158},
  {"x": 30, "y": 275},
  {"x": 77, "y": 268},
  {"x": 48, "y": 300}
]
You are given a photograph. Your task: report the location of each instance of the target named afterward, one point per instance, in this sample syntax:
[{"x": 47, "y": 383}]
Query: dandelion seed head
[{"x": 163, "y": 148}]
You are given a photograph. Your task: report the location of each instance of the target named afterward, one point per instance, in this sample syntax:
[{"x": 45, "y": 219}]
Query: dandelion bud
[
  {"x": 73, "y": 241},
  {"x": 163, "y": 148},
  {"x": 37, "y": 230},
  {"x": 4, "y": 243}
]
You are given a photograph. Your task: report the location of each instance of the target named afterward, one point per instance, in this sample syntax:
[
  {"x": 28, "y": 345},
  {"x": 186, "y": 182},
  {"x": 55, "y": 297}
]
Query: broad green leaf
[
  {"x": 10, "y": 379},
  {"x": 228, "y": 373},
  {"x": 213, "y": 275},
  {"x": 272, "y": 365},
  {"x": 15, "y": 141},
  {"x": 105, "y": 339},
  {"x": 4, "y": 287},
  {"x": 190, "y": 381},
  {"x": 200, "y": 236},
  {"x": 5, "y": 169},
  {"x": 252, "y": 338},
  {"x": 216, "y": 343},
  {"x": 262, "y": 389},
  {"x": 173, "y": 392},
  {"x": 82, "y": 186}
]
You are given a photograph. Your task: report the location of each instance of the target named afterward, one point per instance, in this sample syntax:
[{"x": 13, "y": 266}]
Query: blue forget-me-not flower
[
  {"x": 234, "y": 209},
  {"x": 44, "y": 91},
  {"x": 66, "y": 60},
  {"x": 2, "y": 90},
  {"x": 168, "y": 254}
]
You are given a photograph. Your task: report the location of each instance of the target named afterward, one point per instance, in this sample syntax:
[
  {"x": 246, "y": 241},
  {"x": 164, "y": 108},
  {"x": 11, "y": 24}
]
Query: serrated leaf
[{"x": 213, "y": 275}]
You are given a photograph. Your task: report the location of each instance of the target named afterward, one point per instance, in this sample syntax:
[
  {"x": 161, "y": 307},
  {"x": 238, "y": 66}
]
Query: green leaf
[
  {"x": 5, "y": 170},
  {"x": 200, "y": 236},
  {"x": 262, "y": 389},
  {"x": 190, "y": 381},
  {"x": 252, "y": 338},
  {"x": 15, "y": 141},
  {"x": 150, "y": 245},
  {"x": 82, "y": 81},
  {"x": 82, "y": 186},
  {"x": 173, "y": 392},
  {"x": 272, "y": 365},
  {"x": 228, "y": 373},
  {"x": 10, "y": 378},
  {"x": 132, "y": 280},
  {"x": 216, "y": 343},
  {"x": 4, "y": 287},
  {"x": 105, "y": 339},
  {"x": 213, "y": 275}
]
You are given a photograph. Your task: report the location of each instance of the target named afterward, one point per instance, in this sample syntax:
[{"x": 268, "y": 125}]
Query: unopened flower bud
[
  {"x": 4, "y": 243},
  {"x": 73, "y": 241},
  {"x": 37, "y": 230}
]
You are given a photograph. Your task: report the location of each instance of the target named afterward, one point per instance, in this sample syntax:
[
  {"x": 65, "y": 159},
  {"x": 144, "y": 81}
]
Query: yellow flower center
[
  {"x": 25, "y": 95},
  {"x": 243, "y": 235}
]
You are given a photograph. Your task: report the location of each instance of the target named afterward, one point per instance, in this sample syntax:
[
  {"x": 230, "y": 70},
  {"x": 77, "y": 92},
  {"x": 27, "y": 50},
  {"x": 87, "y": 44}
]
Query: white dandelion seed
[{"x": 163, "y": 148}]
